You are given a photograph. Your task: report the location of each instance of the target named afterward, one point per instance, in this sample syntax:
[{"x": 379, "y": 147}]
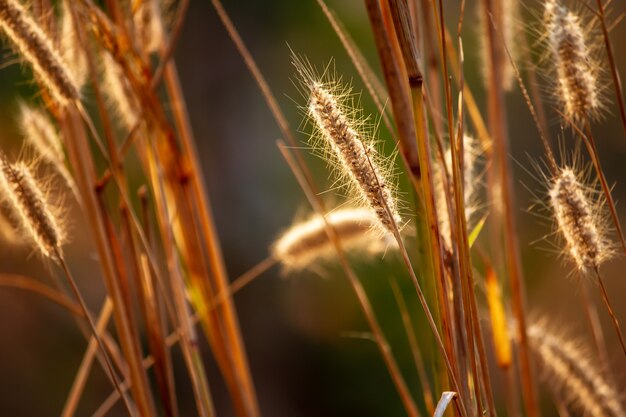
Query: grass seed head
[
  {"x": 471, "y": 176},
  {"x": 148, "y": 26},
  {"x": 40, "y": 133},
  {"x": 572, "y": 49},
  {"x": 572, "y": 374},
  {"x": 118, "y": 92},
  {"x": 306, "y": 242},
  {"x": 71, "y": 50},
  {"x": 30, "y": 205},
  {"x": 339, "y": 131},
  {"x": 38, "y": 50},
  {"x": 580, "y": 220}
]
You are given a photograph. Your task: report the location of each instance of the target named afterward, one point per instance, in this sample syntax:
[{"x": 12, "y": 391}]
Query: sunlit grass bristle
[
  {"x": 341, "y": 135},
  {"x": 37, "y": 49},
  {"x": 306, "y": 243},
  {"x": 471, "y": 186},
  {"x": 70, "y": 47},
  {"x": 578, "y": 211},
  {"x": 41, "y": 134},
  {"x": 572, "y": 374},
  {"x": 148, "y": 25},
  {"x": 30, "y": 204},
  {"x": 572, "y": 46},
  {"x": 120, "y": 97}
]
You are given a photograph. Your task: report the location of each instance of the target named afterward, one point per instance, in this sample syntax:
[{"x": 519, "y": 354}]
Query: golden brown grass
[{"x": 156, "y": 240}]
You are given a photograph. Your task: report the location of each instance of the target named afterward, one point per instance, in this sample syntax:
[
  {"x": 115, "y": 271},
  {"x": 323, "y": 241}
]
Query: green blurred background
[{"x": 301, "y": 332}]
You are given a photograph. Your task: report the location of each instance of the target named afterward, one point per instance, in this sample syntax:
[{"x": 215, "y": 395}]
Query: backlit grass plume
[
  {"x": 577, "y": 86},
  {"x": 339, "y": 132},
  {"x": 579, "y": 216},
  {"x": 40, "y": 133},
  {"x": 149, "y": 25},
  {"x": 471, "y": 177},
  {"x": 30, "y": 206},
  {"x": 38, "y": 50},
  {"x": 572, "y": 374},
  {"x": 120, "y": 97},
  {"x": 71, "y": 50},
  {"x": 306, "y": 242}
]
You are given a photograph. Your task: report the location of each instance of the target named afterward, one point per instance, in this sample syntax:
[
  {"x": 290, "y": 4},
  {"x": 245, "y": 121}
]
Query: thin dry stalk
[
  {"x": 617, "y": 83},
  {"x": 80, "y": 156},
  {"x": 199, "y": 199},
  {"x": 174, "y": 337},
  {"x": 498, "y": 127},
  {"x": 80, "y": 380},
  {"x": 409, "y": 329}
]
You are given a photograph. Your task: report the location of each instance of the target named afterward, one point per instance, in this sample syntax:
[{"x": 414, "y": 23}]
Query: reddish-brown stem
[
  {"x": 498, "y": 127},
  {"x": 609, "y": 308}
]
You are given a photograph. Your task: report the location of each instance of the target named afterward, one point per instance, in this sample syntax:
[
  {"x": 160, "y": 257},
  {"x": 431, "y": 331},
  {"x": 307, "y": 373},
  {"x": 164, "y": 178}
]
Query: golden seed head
[
  {"x": 40, "y": 133},
  {"x": 357, "y": 158},
  {"x": 579, "y": 220},
  {"x": 306, "y": 242},
  {"x": 577, "y": 70},
  {"x": 572, "y": 375},
  {"x": 38, "y": 50},
  {"x": 118, "y": 92},
  {"x": 471, "y": 153},
  {"x": 30, "y": 206},
  {"x": 71, "y": 50},
  {"x": 148, "y": 26}
]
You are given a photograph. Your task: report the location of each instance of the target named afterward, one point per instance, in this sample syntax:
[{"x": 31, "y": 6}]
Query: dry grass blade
[
  {"x": 498, "y": 127},
  {"x": 409, "y": 329},
  {"x": 80, "y": 379}
]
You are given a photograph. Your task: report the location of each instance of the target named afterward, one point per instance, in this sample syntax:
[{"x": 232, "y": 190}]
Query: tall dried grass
[{"x": 155, "y": 236}]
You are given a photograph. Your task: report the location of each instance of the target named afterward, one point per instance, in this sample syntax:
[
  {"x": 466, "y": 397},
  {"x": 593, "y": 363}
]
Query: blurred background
[{"x": 302, "y": 333}]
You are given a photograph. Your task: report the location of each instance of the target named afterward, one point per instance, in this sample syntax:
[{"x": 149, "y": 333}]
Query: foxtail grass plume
[
  {"x": 40, "y": 133},
  {"x": 577, "y": 86},
  {"x": 306, "y": 242},
  {"x": 118, "y": 92},
  {"x": 71, "y": 50},
  {"x": 580, "y": 220},
  {"x": 38, "y": 50},
  {"x": 471, "y": 153},
  {"x": 338, "y": 132},
  {"x": 30, "y": 206},
  {"x": 572, "y": 374},
  {"x": 149, "y": 25}
]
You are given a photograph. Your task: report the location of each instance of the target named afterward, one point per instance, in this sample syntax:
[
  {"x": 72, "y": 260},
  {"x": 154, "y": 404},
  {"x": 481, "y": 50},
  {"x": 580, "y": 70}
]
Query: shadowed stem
[
  {"x": 594, "y": 324},
  {"x": 614, "y": 73},
  {"x": 177, "y": 334},
  {"x": 85, "y": 365},
  {"x": 609, "y": 307},
  {"x": 94, "y": 329},
  {"x": 498, "y": 127},
  {"x": 415, "y": 350}
]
